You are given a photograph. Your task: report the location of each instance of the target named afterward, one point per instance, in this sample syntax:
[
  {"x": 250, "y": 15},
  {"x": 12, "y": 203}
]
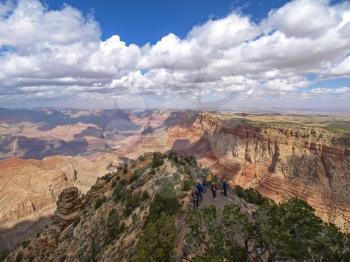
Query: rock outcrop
[
  {"x": 29, "y": 190},
  {"x": 68, "y": 209}
]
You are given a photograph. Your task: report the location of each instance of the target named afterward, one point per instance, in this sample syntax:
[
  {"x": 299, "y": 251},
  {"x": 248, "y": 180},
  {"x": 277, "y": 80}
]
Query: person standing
[
  {"x": 213, "y": 190},
  {"x": 200, "y": 191},
  {"x": 204, "y": 184},
  {"x": 224, "y": 188},
  {"x": 209, "y": 179}
]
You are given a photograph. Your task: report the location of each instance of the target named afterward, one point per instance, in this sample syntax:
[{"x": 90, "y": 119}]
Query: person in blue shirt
[
  {"x": 204, "y": 184},
  {"x": 200, "y": 190},
  {"x": 224, "y": 188}
]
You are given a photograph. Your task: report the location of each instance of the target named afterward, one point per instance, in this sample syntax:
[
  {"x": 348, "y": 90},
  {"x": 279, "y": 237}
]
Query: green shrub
[
  {"x": 131, "y": 203},
  {"x": 187, "y": 186},
  {"x": 239, "y": 191},
  {"x": 173, "y": 156},
  {"x": 157, "y": 162},
  {"x": 136, "y": 174},
  {"x": 144, "y": 196},
  {"x": 224, "y": 230},
  {"x": 254, "y": 197},
  {"x": 99, "y": 202},
  {"x": 157, "y": 241},
  {"x": 127, "y": 212},
  {"x": 114, "y": 227},
  {"x": 139, "y": 171},
  {"x": 289, "y": 231},
  {"x": 133, "y": 178},
  {"x": 106, "y": 178},
  {"x": 250, "y": 195},
  {"x": 165, "y": 201},
  {"x": 119, "y": 192},
  {"x": 123, "y": 182}
]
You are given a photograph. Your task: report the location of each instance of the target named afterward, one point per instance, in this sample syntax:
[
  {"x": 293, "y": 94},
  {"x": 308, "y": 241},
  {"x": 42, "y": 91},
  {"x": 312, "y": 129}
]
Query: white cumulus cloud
[{"x": 58, "y": 53}]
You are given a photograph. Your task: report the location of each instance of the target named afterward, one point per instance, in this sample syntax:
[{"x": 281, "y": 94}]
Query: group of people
[{"x": 208, "y": 183}]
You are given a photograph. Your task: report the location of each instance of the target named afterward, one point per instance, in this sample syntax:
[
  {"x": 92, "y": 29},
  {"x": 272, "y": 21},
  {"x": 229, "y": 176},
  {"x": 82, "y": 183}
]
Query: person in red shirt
[{"x": 213, "y": 189}]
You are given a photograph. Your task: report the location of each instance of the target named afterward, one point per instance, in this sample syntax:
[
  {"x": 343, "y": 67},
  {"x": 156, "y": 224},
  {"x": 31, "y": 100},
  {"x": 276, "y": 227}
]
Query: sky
[{"x": 281, "y": 55}]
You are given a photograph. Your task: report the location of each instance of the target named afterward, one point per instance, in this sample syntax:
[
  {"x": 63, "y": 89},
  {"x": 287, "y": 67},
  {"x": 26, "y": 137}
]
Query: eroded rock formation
[
  {"x": 68, "y": 209},
  {"x": 29, "y": 190},
  {"x": 279, "y": 160}
]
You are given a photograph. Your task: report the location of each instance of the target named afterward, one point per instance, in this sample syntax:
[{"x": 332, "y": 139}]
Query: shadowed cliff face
[
  {"x": 10, "y": 237},
  {"x": 279, "y": 161}
]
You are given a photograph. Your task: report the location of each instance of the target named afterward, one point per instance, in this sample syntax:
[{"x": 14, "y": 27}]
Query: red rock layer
[{"x": 280, "y": 162}]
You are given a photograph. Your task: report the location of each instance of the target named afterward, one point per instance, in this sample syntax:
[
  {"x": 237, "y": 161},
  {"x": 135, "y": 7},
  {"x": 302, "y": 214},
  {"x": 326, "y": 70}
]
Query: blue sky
[
  {"x": 140, "y": 22},
  {"x": 224, "y": 54}
]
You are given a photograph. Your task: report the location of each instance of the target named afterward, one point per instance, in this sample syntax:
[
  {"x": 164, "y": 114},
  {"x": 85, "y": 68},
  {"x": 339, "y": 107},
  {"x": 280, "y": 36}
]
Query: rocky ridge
[{"x": 107, "y": 221}]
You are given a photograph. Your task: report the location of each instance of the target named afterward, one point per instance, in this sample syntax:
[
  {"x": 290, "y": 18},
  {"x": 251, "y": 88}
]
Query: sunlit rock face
[{"x": 280, "y": 161}]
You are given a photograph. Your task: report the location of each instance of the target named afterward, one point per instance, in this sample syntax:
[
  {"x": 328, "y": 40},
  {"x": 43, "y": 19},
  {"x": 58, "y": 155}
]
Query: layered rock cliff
[{"x": 280, "y": 160}]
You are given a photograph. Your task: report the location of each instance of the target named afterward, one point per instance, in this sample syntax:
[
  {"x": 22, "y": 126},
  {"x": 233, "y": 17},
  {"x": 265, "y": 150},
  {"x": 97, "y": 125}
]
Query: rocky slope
[
  {"x": 29, "y": 189},
  {"x": 106, "y": 222},
  {"x": 280, "y": 160}
]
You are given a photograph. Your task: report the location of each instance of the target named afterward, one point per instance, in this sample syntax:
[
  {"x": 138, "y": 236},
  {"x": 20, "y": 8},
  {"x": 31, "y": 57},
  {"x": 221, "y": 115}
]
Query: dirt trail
[{"x": 220, "y": 201}]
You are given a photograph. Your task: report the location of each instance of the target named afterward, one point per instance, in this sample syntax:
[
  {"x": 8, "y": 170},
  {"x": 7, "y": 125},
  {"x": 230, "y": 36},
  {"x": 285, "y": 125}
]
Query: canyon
[
  {"x": 280, "y": 156},
  {"x": 280, "y": 162}
]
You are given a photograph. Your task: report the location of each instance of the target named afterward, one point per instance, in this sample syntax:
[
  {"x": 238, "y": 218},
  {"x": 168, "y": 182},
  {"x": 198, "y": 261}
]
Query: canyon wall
[
  {"x": 29, "y": 190},
  {"x": 280, "y": 160}
]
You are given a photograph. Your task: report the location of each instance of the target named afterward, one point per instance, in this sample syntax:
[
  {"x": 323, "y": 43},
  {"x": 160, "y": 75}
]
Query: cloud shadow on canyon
[
  {"x": 50, "y": 118},
  {"x": 22, "y": 231}
]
